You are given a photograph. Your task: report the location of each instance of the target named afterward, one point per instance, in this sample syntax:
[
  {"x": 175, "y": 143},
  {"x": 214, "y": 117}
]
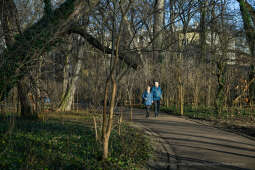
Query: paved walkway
[{"x": 186, "y": 145}]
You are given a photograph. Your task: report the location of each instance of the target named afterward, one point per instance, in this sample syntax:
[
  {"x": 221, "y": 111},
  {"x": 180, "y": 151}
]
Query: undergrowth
[
  {"x": 67, "y": 141},
  {"x": 209, "y": 113}
]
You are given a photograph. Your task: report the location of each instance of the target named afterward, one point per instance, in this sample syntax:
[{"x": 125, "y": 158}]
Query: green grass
[
  {"x": 209, "y": 113},
  {"x": 67, "y": 141},
  {"x": 199, "y": 113}
]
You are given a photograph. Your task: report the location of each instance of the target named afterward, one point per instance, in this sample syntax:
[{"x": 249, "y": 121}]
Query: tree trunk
[
  {"x": 11, "y": 28},
  {"x": 38, "y": 98},
  {"x": 36, "y": 39},
  {"x": 172, "y": 16},
  {"x": 106, "y": 146},
  {"x": 248, "y": 15},
  {"x": 203, "y": 30},
  {"x": 110, "y": 119},
  {"x": 157, "y": 30},
  {"x": 180, "y": 72},
  {"x": 195, "y": 96},
  {"x": 66, "y": 75},
  {"x": 130, "y": 104},
  {"x": 70, "y": 88},
  {"x": 181, "y": 98},
  {"x": 221, "y": 84},
  {"x": 107, "y": 125},
  {"x": 27, "y": 102},
  {"x": 9, "y": 21},
  {"x": 209, "y": 93}
]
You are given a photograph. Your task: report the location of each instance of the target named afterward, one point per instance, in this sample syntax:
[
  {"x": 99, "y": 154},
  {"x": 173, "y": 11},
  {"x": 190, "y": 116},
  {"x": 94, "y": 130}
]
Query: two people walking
[{"x": 152, "y": 95}]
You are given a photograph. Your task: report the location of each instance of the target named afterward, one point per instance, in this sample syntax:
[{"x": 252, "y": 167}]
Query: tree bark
[
  {"x": 27, "y": 101},
  {"x": 221, "y": 84},
  {"x": 11, "y": 28},
  {"x": 181, "y": 95},
  {"x": 157, "y": 30},
  {"x": 248, "y": 15},
  {"x": 203, "y": 30},
  {"x": 209, "y": 92},
  {"x": 107, "y": 132},
  {"x": 9, "y": 21},
  {"x": 70, "y": 85},
  {"x": 195, "y": 95},
  {"x": 172, "y": 16}
]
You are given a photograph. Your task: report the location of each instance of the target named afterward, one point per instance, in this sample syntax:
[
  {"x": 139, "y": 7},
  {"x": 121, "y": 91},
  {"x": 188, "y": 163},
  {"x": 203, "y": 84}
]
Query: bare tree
[{"x": 112, "y": 76}]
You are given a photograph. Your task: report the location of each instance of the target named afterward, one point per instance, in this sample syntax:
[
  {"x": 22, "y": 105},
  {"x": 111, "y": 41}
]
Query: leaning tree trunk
[
  {"x": 11, "y": 28},
  {"x": 67, "y": 71},
  {"x": 68, "y": 93}
]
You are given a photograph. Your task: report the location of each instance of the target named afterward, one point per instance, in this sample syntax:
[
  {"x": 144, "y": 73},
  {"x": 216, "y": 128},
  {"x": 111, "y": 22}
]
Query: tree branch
[
  {"x": 131, "y": 58},
  {"x": 35, "y": 40}
]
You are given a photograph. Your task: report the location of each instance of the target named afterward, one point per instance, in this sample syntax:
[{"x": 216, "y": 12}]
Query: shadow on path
[{"x": 194, "y": 146}]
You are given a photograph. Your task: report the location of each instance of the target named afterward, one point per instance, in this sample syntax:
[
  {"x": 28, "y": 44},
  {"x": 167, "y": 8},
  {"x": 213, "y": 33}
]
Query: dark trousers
[
  {"x": 156, "y": 107},
  {"x": 147, "y": 110}
]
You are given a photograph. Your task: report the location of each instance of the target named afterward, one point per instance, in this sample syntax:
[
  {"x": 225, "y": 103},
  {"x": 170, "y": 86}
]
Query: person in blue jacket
[
  {"x": 157, "y": 95},
  {"x": 147, "y": 100}
]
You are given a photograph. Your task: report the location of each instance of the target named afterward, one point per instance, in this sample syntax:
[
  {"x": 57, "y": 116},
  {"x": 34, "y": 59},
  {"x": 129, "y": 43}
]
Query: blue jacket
[
  {"x": 147, "y": 98},
  {"x": 157, "y": 93}
]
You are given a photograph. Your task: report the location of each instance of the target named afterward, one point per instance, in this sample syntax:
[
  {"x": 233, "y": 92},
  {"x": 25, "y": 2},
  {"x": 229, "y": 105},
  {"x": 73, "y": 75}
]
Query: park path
[{"x": 183, "y": 144}]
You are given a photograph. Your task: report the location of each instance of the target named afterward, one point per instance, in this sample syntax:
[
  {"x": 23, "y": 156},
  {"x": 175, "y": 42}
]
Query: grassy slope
[{"x": 67, "y": 141}]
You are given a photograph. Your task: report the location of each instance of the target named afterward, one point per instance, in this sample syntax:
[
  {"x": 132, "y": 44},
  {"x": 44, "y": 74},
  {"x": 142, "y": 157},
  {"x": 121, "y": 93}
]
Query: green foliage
[
  {"x": 198, "y": 113},
  {"x": 67, "y": 144},
  {"x": 129, "y": 141}
]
